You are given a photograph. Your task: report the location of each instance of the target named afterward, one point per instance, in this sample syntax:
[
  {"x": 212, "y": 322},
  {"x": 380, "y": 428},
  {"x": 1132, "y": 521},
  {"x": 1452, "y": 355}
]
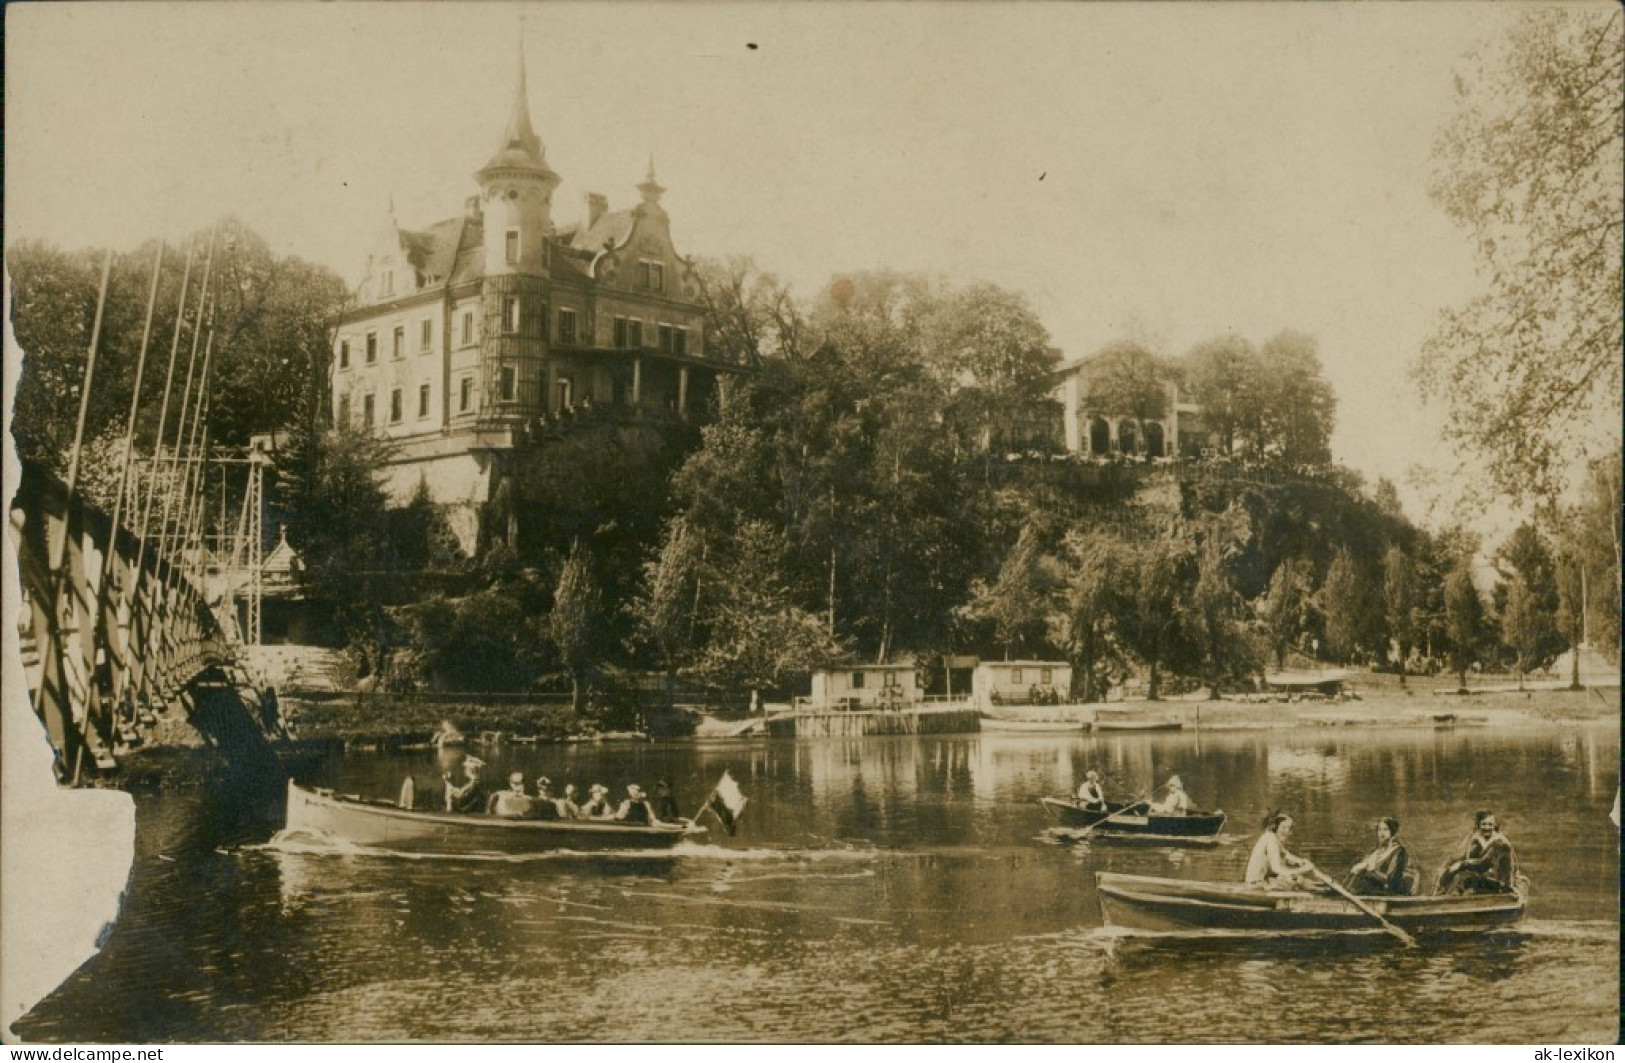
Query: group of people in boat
[
  {"x": 516, "y": 801},
  {"x": 1173, "y": 802},
  {"x": 1486, "y": 862}
]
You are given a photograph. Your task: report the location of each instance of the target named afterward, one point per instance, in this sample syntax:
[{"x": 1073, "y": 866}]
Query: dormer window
[
  {"x": 386, "y": 282},
  {"x": 513, "y": 247},
  {"x": 651, "y": 275}
]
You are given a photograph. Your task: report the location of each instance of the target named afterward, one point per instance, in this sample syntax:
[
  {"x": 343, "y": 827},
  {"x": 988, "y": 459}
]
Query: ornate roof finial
[{"x": 651, "y": 188}]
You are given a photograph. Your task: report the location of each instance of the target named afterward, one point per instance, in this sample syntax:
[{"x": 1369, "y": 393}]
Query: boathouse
[
  {"x": 995, "y": 683},
  {"x": 865, "y": 686}
]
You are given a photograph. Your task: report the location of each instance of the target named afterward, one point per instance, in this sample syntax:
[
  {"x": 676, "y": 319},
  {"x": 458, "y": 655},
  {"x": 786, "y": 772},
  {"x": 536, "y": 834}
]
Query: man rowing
[{"x": 1090, "y": 794}]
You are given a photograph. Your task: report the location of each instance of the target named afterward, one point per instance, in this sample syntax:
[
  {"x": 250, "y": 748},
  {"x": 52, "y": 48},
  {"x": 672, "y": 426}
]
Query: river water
[{"x": 889, "y": 889}]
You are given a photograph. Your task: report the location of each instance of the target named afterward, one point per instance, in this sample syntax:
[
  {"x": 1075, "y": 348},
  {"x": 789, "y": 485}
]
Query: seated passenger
[
  {"x": 1387, "y": 868},
  {"x": 1270, "y": 864},
  {"x": 1090, "y": 794},
  {"x": 568, "y": 809},
  {"x": 1175, "y": 802},
  {"x": 636, "y": 808},
  {"x": 597, "y": 806},
  {"x": 511, "y": 803},
  {"x": 469, "y": 797},
  {"x": 1487, "y": 863},
  {"x": 545, "y": 806},
  {"x": 665, "y": 802}
]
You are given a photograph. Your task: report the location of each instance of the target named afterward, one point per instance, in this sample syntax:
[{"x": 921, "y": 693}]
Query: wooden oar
[{"x": 1338, "y": 888}]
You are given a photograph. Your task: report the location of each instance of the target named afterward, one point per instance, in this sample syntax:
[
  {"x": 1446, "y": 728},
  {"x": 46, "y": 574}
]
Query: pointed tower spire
[
  {"x": 521, "y": 148},
  {"x": 651, "y": 188}
]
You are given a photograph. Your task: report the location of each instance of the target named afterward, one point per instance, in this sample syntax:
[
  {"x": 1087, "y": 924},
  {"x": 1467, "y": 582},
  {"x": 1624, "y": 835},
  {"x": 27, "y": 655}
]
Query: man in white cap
[
  {"x": 468, "y": 797},
  {"x": 597, "y": 806}
]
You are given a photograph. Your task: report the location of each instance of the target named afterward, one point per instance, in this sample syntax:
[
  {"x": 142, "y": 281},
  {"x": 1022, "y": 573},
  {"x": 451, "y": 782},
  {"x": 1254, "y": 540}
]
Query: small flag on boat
[{"x": 727, "y": 803}]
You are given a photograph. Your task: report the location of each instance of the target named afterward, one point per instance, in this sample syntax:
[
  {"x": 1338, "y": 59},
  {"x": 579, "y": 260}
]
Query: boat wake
[{"x": 311, "y": 843}]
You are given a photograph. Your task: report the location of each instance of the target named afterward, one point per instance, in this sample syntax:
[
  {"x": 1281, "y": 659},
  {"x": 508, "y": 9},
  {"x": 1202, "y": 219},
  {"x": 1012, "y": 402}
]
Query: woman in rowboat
[
  {"x": 1271, "y": 865},
  {"x": 1176, "y": 802},
  {"x": 1487, "y": 864},
  {"x": 1387, "y": 868}
]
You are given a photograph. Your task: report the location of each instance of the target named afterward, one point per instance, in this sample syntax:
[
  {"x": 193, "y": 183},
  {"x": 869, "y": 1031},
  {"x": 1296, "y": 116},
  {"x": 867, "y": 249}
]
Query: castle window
[
  {"x": 372, "y": 347},
  {"x": 857, "y": 680},
  {"x": 423, "y": 400},
  {"x": 395, "y": 406},
  {"x": 425, "y": 334},
  {"x": 513, "y": 247},
  {"x": 651, "y": 275},
  {"x": 343, "y": 419},
  {"x": 510, "y": 313},
  {"x": 673, "y": 340},
  {"x": 468, "y": 326},
  {"x": 367, "y": 412},
  {"x": 567, "y": 326},
  {"x": 465, "y": 394},
  {"x": 628, "y": 332},
  {"x": 398, "y": 349},
  {"x": 344, "y": 354},
  {"x": 510, "y": 381}
]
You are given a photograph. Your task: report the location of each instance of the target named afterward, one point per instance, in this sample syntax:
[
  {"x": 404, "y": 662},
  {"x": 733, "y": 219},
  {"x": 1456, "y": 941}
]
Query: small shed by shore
[
  {"x": 997, "y": 683},
  {"x": 865, "y": 686}
]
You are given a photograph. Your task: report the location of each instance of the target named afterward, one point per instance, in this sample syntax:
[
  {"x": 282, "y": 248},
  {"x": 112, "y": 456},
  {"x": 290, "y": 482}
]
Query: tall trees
[
  {"x": 1092, "y": 597},
  {"x": 1464, "y": 619},
  {"x": 1399, "y": 598},
  {"x": 1128, "y": 378},
  {"x": 572, "y": 623},
  {"x": 1531, "y": 166},
  {"x": 1297, "y": 405},
  {"x": 1526, "y": 628},
  {"x": 1349, "y": 608},
  {"x": 1222, "y": 377},
  {"x": 1285, "y": 606}
]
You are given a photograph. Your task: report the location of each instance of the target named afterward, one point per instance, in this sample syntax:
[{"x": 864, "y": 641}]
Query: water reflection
[{"x": 884, "y": 889}]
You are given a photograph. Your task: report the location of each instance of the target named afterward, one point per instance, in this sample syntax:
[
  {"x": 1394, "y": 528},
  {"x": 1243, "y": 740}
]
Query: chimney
[
  {"x": 596, "y": 206},
  {"x": 471, "y": 208}
]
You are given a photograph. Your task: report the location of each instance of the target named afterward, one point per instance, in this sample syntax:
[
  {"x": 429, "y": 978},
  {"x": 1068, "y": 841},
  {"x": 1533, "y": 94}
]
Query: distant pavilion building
[
  {"x": 1094, "y": 430},
  {"x": 465, "y": 336}
]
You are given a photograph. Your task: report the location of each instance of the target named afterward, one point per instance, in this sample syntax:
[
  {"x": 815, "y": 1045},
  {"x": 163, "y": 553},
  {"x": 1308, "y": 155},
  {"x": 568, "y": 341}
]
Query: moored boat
[
  {"x": 1142, "y": 902},
  {"x": 383, "y": 825},
  {"x": 999, "y": 724},
  {"x": 1118, "y": 821},
  {"x": 1129, "y": 724}
]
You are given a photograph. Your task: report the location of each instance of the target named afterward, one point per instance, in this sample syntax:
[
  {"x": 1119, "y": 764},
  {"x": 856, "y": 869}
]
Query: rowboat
[
  {"x": 997, "y": 724},
  {"x": 1121, "y": 724},
  {"x": 382, "y": 825},
  {"x": 1141, "y": 902},
  {"x": 1198, "y": 826}
]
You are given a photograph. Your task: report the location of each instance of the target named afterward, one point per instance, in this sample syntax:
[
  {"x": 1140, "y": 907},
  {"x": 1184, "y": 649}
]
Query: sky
[{"x": 1166, "y": 171}]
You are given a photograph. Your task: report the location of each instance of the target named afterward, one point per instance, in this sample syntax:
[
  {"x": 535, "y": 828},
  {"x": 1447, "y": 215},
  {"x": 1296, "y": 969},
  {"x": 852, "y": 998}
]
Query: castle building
[
  {"x": 465, "y": 336},
  {"x": 1092, "y": 428}
]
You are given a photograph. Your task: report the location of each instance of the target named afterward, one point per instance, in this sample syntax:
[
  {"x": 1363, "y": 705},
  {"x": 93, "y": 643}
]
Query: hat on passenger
[
  {"x": 634, "y": 790},
  {"x": 473, "y": 763},
  {"x": 599, "y": 788}
]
